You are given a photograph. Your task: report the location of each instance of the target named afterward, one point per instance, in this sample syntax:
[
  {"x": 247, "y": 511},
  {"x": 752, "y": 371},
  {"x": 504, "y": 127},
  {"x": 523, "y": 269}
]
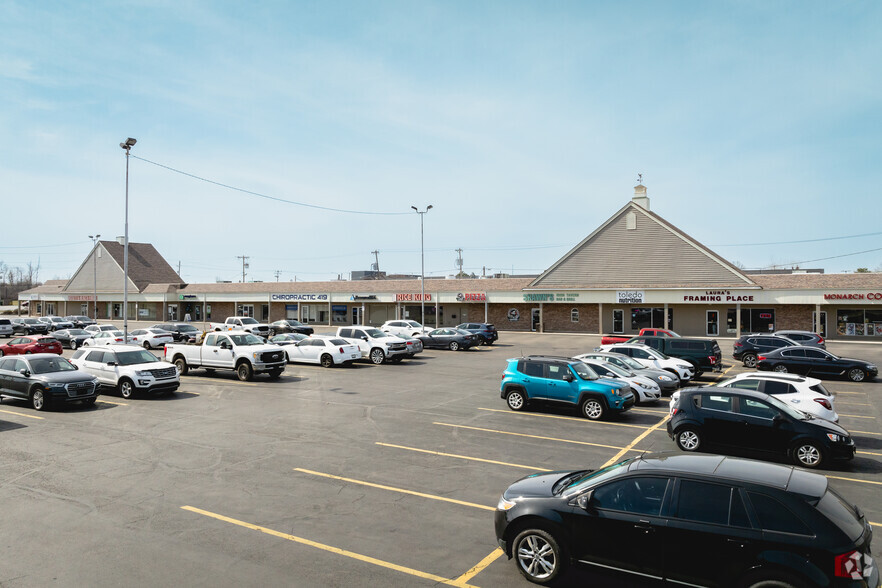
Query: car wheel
[
  {"x": 749, "y": 360},
  {"x": 856, "y": 375},
  {"x": 781, "y": 368},
  {"x": 593, "y": 409},
  {"x": 688, "y": 439},
  {"x": 73, "y": 344},
  {"x": 181, "y": 366},
  {"x": 1, "y": 353},
  {"x": 807, "y": 454},
  {"x": 540, "y": 558},
  {"x": 39, "y": 400},
  {"x": 126, "y": 388},
  {"x": 245, "y": 372},
  {"x": 454, "y": 346},
  {"x": 377, "y": 356},
  {"x": 516, "y": 400},
  {"x": 147, "y": 345},
  {"x": 327, "y": 361}
]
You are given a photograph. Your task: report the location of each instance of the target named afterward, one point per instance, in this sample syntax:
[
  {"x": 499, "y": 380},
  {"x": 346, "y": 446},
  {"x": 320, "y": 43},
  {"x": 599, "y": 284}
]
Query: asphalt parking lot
[{"x": 363, "y": 475}]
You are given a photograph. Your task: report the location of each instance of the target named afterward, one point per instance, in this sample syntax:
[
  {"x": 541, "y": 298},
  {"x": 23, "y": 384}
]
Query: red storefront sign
[
  {"x": 408, "y": 297},
  {"x": 867, "y": 296}
]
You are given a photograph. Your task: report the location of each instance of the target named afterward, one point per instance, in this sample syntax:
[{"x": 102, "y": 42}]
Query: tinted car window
[
  {"x": 815, "y": 354},
  {"x": 715, "y": 402},
  {"x": 557, "y": 371},
  {"x": 744, "y": 384},
  {"x": 773, "y": 387},
  {"x": 6, "y": 364},
  {"x": 703, "y": 502},
  {"x": 793, "y": 353},
  {"x": 95, "y": 356},
  {"x": 835, "y": 508},
  {"x": 756, "y": 408},
  {"x": 774, "y": 516},
  {"x": 637, "y": 495},
  {"x": 533, "y": 369}
]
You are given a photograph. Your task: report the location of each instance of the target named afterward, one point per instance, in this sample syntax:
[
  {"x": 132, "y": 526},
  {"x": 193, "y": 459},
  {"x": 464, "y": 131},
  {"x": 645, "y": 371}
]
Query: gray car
[
  {"x": 645, "y": 389},
  {"x": 667, "y": 381},
  {"x": 806, "y": 338},
  {"x": 46, "y": 379}
]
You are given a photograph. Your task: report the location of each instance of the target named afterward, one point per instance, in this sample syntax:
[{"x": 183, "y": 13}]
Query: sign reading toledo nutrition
[
  {"x": 629, "y": 296},
  {"x": 301, "y": 297}
]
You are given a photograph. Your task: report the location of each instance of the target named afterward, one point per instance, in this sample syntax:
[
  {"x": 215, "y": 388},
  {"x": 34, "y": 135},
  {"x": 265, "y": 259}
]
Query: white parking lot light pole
[
  {"x": 422, "y": 267},
  {"x": 95, "y": 273},
  {"x": 129, "y": 143}
]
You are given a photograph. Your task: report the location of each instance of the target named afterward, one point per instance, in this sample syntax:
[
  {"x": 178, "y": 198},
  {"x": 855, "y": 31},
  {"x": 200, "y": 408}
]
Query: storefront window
[
  {"x": 338, "y": 314},
  {"x": 753, "y": 320},
  {"x": 850, "y": 321},
  {"x": 642, "y": 318},
  {"x": 873, "y": 319},
  {"x": 574, "y": 315}
]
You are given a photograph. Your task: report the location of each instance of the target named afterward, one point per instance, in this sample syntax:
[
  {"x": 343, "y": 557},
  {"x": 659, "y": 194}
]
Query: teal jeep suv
[{"x": 563, "y": 380}]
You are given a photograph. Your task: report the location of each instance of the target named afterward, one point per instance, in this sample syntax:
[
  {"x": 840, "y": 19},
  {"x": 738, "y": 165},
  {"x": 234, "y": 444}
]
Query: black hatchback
[
  {"x": 694, "y": 520},
  {"x": 745, "y": 420}
]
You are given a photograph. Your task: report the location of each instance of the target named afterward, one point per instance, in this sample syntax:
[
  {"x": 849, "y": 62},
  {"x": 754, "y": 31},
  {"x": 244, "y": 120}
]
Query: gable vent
[{"x": 631, "y": 221}]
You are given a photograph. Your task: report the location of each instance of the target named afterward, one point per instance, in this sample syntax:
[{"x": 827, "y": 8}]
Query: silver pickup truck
[{"x": 245, "y": 353}]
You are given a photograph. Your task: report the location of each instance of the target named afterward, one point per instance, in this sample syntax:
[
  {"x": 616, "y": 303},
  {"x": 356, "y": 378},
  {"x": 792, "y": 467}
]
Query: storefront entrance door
[
  {"x": 823, "y": 331},
  {"x": 713, "y": 323},
  {"x": 535, "y": 323}
]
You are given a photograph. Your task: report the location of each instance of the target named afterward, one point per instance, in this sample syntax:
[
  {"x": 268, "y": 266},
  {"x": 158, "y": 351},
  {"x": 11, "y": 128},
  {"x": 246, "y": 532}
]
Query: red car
[{"x": 31, "y": 344}]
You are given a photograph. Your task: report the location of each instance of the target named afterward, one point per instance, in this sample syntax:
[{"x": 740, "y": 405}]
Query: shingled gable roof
[
  {"x": 146, "y": 265},
  {"x": 655, "y": 254}
]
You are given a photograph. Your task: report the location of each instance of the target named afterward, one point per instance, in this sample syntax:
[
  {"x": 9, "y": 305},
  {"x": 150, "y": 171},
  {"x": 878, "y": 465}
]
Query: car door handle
[
  {"x": 738, "y": 542},
  {"x": 645, "y": 526}
]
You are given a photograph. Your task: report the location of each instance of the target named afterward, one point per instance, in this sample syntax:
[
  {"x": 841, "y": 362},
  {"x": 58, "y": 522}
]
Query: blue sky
[{"x": 524, "y": 124}]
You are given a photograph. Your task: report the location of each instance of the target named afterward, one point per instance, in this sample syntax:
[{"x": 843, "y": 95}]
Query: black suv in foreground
[
  {"x": 693, "y": 520},
  {"x": 703, "y": 354},
  {"x": 745, "y": 420}
]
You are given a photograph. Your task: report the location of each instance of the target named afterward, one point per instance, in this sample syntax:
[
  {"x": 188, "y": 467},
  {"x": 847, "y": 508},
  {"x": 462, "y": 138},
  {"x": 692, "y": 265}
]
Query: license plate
[{"x": 354, "y": 356}]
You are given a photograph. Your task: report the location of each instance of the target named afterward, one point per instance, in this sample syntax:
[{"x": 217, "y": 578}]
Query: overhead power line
[
  {"x": 800, "y": 241},
  {"x": 259, "y": 195},
  {"x": 792, "y": 263}
]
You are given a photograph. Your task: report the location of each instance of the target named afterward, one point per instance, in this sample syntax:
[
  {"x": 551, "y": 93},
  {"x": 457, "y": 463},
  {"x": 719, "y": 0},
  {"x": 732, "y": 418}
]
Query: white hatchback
[
  {"x": 327, "y": 351},
  {"x": 106, "y": 338},
  {"x": 404, "y": 328},
  {"x": 150, "y": 338}
]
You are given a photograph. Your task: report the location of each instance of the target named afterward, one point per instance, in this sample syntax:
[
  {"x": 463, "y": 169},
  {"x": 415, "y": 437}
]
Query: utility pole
[
  {"x": 179, "y": 267},
  {"x": 459, "y": 261},
  {"x": 376, "y": 267},
  {"x": 278, "y": 273},
  {"x": 244, "y": 259}
]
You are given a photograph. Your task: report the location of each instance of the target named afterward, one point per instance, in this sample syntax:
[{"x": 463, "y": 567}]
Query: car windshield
[
  {"x": 295, "y": 323},
  {"x": 135, "y": 357},
  {"x": 186, "y": 328},
  {"x": 106, "y": 328},
  {"x": 631, "y": 363},
  {"x": 249, "y": 321},
  {"x": 583, "y": 371},
  {"x": 377, "y": 333},
  {"x": 618, "y": 371},
  {"x": 577, "y": 482},
  {"x": 246, "y": 339},
  {"x": 77, "y": 332},
  {"x": 56, "y": 319},
  {"x": 415, "y": 324},
  {"x": 48, "y": 365},
  {"x": 656, "y": 353},
  {"x": 30, "y": 321}
]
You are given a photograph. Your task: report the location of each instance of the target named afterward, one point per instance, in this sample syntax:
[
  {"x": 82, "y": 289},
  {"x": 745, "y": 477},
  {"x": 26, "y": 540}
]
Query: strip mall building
[{"x": 636, "y": 270}]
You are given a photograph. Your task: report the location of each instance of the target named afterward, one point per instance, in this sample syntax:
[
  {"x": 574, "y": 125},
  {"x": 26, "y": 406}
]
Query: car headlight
[
  {"x": 836, "y": 438},
  {"x": 142, "y": 373},
  {"x": 872, "y": 366},
  {"x": 56, "y": 385},
  {"x": 504, "y": 504},
  {"x": 665, "y": 379}
]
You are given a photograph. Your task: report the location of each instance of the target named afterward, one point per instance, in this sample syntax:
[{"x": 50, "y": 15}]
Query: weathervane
[{"x": 640, "y": 179}]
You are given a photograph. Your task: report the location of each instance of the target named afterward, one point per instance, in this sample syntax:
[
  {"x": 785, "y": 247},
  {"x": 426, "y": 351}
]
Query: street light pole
[
  {"x": 422, "y": 268},
  {"x": 127, "y": 145},
  {"x": 95, "y": 273}
]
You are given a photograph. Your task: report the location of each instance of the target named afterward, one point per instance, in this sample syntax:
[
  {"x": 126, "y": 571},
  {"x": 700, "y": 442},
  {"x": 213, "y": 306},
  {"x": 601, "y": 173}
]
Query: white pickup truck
[
  {"x": 245, "y": 353},
  {"x": 375, "y": 344},
  {"x": 241, "y": 323}
]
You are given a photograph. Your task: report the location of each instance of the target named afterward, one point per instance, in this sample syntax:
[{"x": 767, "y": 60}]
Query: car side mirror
[
  {"x": 828, "y": 358},
  {"x": 568, "y": 377},
  {"x": 365, "y": 338},
  {"x": 583, "y": 501},
  {"x": 778, "y": 419},
  {"x": 224, "y": 345},
  {"x": 25, "y": 372},
  {"x": 111, "y": 363}
]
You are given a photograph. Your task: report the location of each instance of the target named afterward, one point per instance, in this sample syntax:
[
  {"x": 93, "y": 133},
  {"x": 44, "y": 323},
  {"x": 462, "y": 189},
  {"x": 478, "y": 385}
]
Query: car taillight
[
  {"x": 820, "y": 339},
  {"x": 713, "y": 359},
  {"x": 761, "y": 358},
  {"x": 118, "y": 339},
  {"x": 738, "y": 344},
  {"x": 674, "y": 411},
  {"x": 824, "y": 402},
  {"x": 341, "y": 350},
  {"x": 849, "y": 565}
]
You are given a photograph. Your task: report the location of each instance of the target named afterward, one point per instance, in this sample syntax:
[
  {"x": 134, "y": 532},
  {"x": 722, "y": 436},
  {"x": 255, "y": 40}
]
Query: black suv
[
  {"x": 693, "y": 520},
  {"x": 703, "y": 354},
  {"x": 486, "y": 332},
  {"x": 183, "y": 332},
  {"x": 749, "y": 347},
  {"x": 745, "y": 420},
  {"x": 29, "y": 326}
]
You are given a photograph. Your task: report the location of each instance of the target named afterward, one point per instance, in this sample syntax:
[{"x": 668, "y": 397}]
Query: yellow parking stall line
[
  {"x": 216, "y": 382},
  {"x": 30, "y": 416},
  {"x": 866, "y": 432},
  {"x": 514, "y": 465},
  {"x": 394, "y": 489},
  {"x": 856, "y": 416},
  {"x": 649, "y": 410},
  {"x": 867, "y": 453},
  {"x": 480, "y": 566},
  {"x": 876, "y": 524},
  {"x": 837, "y": 393},
  {"x": 855, "y": 480},
  {"x": 113, "y": 402},
  {"x": 722, "y": 374},
  {"x": 329, "y": 548},
  {"x": 637, "y": 440},
  {"x": 563, "y": 418},
  {"x": 535, "y": 436}
]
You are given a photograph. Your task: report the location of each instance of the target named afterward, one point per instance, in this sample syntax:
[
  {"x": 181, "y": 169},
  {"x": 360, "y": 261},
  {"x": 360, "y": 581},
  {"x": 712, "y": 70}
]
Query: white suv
[
  {"x": 403, "y": 328},
  {"x": 807, "y": 395},
  {"x": 374, "y": 344},
  {"x": 653, "y": 358},
  {"x": 128, "y": 368}
]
